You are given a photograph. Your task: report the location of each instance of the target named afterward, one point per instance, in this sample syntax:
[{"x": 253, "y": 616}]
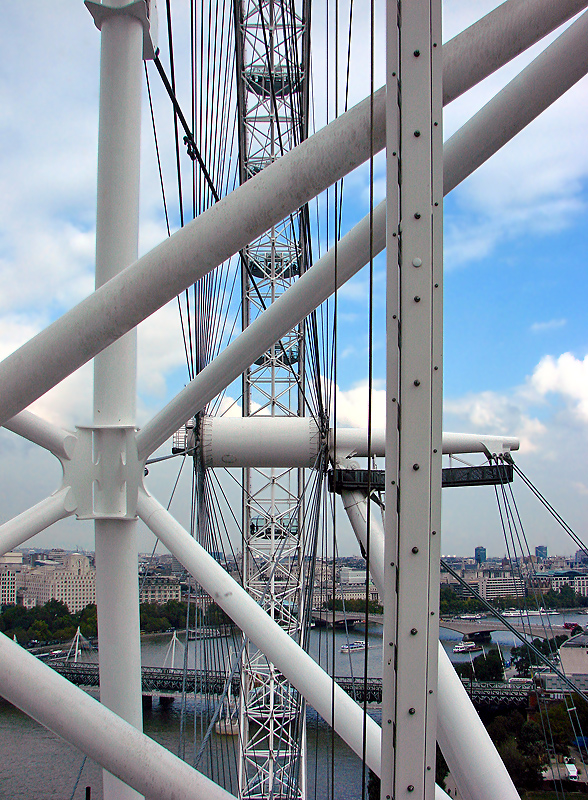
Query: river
[{"x": 37, "y": 765}]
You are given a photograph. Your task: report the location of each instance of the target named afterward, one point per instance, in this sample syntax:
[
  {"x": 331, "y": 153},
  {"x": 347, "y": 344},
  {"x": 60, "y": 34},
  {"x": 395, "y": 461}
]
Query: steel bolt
[
  {"x": 417, "y": 133},
  {"x": 417, "y": 262},
  {"x": 417, "y": 215},
  {"x": 412, "y": 710},
  {"x": 417, "y": 53},
  {"x": 413, "y": 631},
  {"x": 415, "y": 550},
  {"x": 410, "y": 788},
  {"x": 417, "y": 299},
  {"x": 417, "y": 382},
  {"x": 415, "y": 467}
]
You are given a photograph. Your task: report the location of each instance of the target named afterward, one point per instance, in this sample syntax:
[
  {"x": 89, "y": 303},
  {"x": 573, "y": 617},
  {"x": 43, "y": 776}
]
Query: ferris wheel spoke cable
[
  {"x": 570, "y": 709},
  {"x": 520, "y": 636},
  {"x": 237, "y": 659}
]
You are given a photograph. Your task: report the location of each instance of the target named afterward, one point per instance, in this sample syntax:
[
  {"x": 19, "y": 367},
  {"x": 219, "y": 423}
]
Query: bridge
[
  {"x": 471, "y": 627},
  {"x": 343, "y": 619},
  {"x": 168, "y": 683},
  {"x": 468, "y": 628}
]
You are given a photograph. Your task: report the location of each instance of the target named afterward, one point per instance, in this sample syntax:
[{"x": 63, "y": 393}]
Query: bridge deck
[
  {"x": 468, "y": 627},
  {"x": 169, "y": 682}
]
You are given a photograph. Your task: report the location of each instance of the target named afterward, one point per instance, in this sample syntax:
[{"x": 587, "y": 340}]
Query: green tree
[
  {"x": 40, "y": 631},
  {"x": 525, "y": 771},
  {"x": 485, "y": 667},
  {"x": 88, "y": 621}
]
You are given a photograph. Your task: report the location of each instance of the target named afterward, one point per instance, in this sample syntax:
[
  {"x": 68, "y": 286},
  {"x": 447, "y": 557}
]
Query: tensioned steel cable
[
  {"x": 512, "y": 510},
  {"x": 520, "y": 636},
  {"x": 559, "y": 519},
  {"x": 545, "y": 723},
  {"x": 370, "y": 398}
]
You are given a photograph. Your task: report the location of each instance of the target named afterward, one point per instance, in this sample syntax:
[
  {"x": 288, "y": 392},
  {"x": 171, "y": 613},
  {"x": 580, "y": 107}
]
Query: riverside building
[
  {"x": 72, "y": 582},
  {"x": 159, "y": 588}
]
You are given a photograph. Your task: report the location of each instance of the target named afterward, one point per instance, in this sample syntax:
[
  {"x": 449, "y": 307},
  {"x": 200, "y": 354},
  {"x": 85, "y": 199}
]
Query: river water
[{"x": 37, "y": 765}]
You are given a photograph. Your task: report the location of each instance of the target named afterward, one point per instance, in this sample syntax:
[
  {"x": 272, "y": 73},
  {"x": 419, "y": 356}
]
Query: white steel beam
[
  {"x": 306, "y": 294},
  {"x": 296, "y": 442},
  {"x": 462, "y": 155},
  {"x": 472, "y": 758},
  {"x": 217, "y": 234},
  {"x": 134, "y": 758},
  {"x": 37, "y": 430},
  {"x": 353, "y": 443},
  {"x": 36, "y": 519},
  {"x": 414, "y": 334},
  {"x": 497, "y": 38},
  {"x": 333, "y": 704},
  {"x": 552, "y": 73},
  {"x": 115, "y": 370}
]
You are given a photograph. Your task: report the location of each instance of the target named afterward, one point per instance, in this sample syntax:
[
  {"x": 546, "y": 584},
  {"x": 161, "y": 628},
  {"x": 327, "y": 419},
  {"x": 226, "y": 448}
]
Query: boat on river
[
  {"x": 467, "y": 647},
  {"x": 353, "y": 647}
]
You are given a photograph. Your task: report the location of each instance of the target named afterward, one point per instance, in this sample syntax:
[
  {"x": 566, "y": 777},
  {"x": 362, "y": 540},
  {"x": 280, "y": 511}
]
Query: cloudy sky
[{"x": 516, "y": 339}]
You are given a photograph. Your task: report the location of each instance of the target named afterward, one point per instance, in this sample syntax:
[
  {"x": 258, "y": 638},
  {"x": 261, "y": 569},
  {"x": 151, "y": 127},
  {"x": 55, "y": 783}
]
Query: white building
[
  {"x": 499, "y": 586},
  {"x": 159, "y": 588},
  {"x": 574, "y": 664},
  {"x": 7, "y": 587},
  {"x": 72, "y": 583}
]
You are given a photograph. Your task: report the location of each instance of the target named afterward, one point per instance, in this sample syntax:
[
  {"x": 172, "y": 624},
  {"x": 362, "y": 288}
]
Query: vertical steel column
[
  {"x": 271, "y": 47},
  {"x": 414, "y": 395},
  {"x": 117, "y": 590}
]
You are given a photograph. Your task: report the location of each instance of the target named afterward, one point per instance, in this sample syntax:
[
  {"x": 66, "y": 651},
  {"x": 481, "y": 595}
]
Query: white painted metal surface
[
  {"x": 303, "y": 672},
  {"x": 260, "y": 442},
  {"x": 119, "y": 747},
  {"x": 497, "y": 38},
  {"x": 414, "y": 398},
  {"x": 37, "y": 430},
  {"x": 533, "y": 90},
  {"x": 295, "y": 442},
  {"x": 117, "y": 231},
  {"x": 18, "y": 530},
  {"x": 473, "y": 760}
]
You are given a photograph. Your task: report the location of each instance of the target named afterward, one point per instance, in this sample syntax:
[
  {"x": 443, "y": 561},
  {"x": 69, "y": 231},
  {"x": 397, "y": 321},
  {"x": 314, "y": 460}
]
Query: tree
[
  {"x": 525, "y": 771},
  {"x": 486, "y": 667},
  {"x": 39, "y": 630}
]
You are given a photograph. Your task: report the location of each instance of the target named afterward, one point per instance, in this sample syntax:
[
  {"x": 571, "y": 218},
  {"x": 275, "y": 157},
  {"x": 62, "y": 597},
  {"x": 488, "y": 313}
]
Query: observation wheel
[
  {"x": 280, "y": 171},
  {"x": 272, "y": 71}
]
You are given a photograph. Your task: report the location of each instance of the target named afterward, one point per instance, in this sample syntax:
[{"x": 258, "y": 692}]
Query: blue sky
[{"x": 515, "y": 268}]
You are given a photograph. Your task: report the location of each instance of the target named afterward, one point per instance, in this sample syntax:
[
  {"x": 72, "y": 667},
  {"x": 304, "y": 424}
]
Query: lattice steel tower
[{"x": 272, "y": 84}]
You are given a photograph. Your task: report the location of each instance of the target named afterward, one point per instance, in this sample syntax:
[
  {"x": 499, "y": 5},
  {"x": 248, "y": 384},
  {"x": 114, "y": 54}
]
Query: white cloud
[
  {"x": 352, "y": 405},
  {"x": 497, "y": 414},
  {"x": 534, "y": 184},
  {"x": 550, "y": 325},
  {"x": 566, "y": 376}
]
